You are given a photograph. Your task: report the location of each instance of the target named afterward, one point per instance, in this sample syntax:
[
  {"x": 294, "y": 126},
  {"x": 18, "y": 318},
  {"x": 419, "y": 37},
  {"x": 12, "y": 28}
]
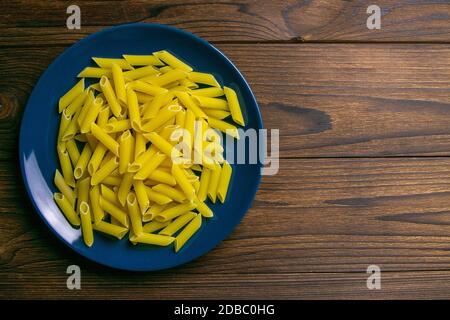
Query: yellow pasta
[
  {"x": 107, "y": 63},
  {"x": 105, "y": 139},
  {"x": 126, "y": 151},
  {"x": 119, "y": 83},
  {"x": 114, "y": 211},
  {"x": 175, "y": 211},
  {"x": 93, "y": 72},
  {"x": 71, "y": 95},
  {"x": 111, "y": 229},
  {"x": 188, "y": 232},
  {"x": 172, "y": 61},
  {"x": 135, "y": 216},
  {"x": 204, "y": 78},
  {"x": 67, "y": 209},
  {"x": 224, "y": 181},
  {"x": 110, "y": 96},
  {"x": 82, "y": 162},
  {"x": 142, "y": 60},
  {"x": 177, "y": 224},
  {"x": 137, "y": 127},
  {"x": 86, "y": 225}
]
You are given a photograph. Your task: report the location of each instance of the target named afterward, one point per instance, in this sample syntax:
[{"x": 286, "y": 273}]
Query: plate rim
[{"x": 61, "y": 56}]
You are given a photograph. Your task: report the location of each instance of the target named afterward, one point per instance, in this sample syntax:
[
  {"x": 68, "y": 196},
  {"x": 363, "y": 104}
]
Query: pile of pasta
[{"x": 118, "y": 141}]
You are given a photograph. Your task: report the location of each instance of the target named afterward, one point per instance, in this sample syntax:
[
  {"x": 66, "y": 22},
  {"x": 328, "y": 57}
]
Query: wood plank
[
  {"x": 334, "y": 100},
  {"x": 25, "y": 23},
  {"x": 317, "y": 224}
]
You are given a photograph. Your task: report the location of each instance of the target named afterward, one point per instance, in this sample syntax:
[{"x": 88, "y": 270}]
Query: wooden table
[{"x": 364, "y": 118}]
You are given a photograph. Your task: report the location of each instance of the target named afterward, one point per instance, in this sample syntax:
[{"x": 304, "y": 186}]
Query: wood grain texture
[
  {"x": 318, "y": 223},
  {"x": 28, "y": 21},
  {"x": 333, "y": 100}
]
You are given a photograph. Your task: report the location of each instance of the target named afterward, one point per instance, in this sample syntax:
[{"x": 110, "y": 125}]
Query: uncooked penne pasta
[
  {"x": 140, "y": 150},
  {"x": 71, "y": 95},
  {"x": 188, "y": 232}
]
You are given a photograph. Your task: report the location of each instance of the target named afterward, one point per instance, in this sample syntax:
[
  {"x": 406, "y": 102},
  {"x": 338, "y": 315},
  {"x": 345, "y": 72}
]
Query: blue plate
[{"x": 38, "y": 158}]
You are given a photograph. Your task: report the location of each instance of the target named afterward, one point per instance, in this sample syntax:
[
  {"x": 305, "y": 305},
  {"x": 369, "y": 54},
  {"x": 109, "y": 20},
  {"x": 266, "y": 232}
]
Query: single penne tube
[
  {"x": 218, "y": 114},
  {"x": 64, "y": 188},
  {"x": 147, "y": 88},
  {"x": 76, "y": 104},
  {"x": 223, "y": 126},
  {"x": 165, "y": 69},
  {"x": 204, "y": 182},
  {"x": 86, "y": 107},
  {"x": 166, "y": 78},
  {"x": 125, "y": 187},
  {"x": 112, "y": 181},
  {"x": 157, "y": 197},
  {"x": 97, "y": 211},
  {"x": 86, "y": 225},
  {"x": 177, "y": 224},
  {"x": 162, "y": 117},
  {"x": 67, "y": 209},
  {"x": 114, "y": 126},
  {"x": 183, "y": 182},
  {"x": 144, "y": 157},
  {"x": 105, "y": 171},
  {"x": 188, "y": 103},
  {"x": 105, "y": 139},
  {"x": 91, "y": 140},
  {"x": 235, "y": 108},
  {"x": 91, "y": 115},
  {"x": 212, "y": 92},
  {"x": 171, "y": 192},
  {"x": 66, "y": 167},
  {"x": 63, "y": 124},
  {"x": 82, "y": 162},
  {"x": 114, "y": 211},
  {"x": 107, "y": 63},
  {"x": 203, "y": 78},
  {"x": 213, "y": 183},
  {"x": 211, "y": 103},
  {"x": 139, "y": 147},
  {"x": 72, "y": 149},
  {"x": 108, "y": 228},
  {"x": 203, "y": 209},
  {"x": 142, "y": 60},
  {"x": 162, "y": 177},
  {"x": 133, "y": 110},
  {"x": 141, "y": 195},
  {"x": 110, "y": 96},
  {"x": 150, "y": 166},
  {"x": 154, "y": 226},
  {"x": 224, "y": 181},
  {"x": 188, "y": 232},
  {"x": 172, "y": 61},
  {"x": 140, "y": 73},
  {"x": 155, "y": 239},
  {"x": 71, "y": 95},
  {"x": 126, "y": 151},
  {"x": 119, "y": 83},
  {"x": 189, "y": 125},
  {"x": 135, "y": 215},
  {"x": 72, "y": 128},
  {"x": 173, "y": 212},
  {"x": 82, "y": 192},
  {"x": 103, "y": 116},
  {"x": 163, "y": 145},
  {"x": 151, "y": 108},
  {"x": 96, "y": 158},
  {"x": 94, "y": 72},
  {"x": 110, "y": 195}
]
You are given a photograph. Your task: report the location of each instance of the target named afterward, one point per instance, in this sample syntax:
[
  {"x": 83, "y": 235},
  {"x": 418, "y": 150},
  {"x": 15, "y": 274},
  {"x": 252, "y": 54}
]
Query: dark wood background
[{"x": 364, "y": 117}]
